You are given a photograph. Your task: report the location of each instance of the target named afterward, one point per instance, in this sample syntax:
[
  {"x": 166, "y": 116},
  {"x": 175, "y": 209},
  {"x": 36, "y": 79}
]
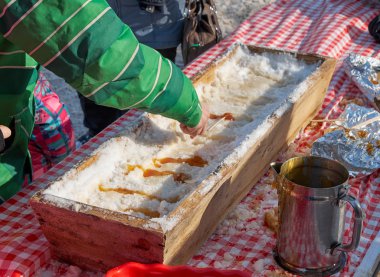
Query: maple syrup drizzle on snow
[
  {"x": 177, "y": 176},
  {"x": 193, "y": 161},
  {"x": 144, "y": 211},
  {"x": 87, "y": 163},
  {"x": 131, "y": 192},
  {"x": 226, "y": 116}
]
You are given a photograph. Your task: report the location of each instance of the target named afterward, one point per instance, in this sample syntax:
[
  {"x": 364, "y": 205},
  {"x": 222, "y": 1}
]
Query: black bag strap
[
  {"x": 192, "y": 8},
  {"x": 201, "y": 28},
  {"x": 374, "y": 28},
  {"x": 2, "y": 142},
  {"x": 195, "y": 8}
]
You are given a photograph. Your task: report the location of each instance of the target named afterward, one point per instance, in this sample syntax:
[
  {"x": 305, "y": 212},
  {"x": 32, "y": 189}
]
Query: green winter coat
[{"x": 84, "y": 42}]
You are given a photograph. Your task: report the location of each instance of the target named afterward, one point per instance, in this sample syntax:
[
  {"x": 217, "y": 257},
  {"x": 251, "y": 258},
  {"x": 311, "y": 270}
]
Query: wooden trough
[{"x": 96, "y": 238}]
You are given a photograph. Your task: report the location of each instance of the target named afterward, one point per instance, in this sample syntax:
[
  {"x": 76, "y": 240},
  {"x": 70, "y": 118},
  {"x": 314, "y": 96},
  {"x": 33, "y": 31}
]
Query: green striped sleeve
[
  {"x": 84, "y": 42},
  {"x": 6, "y": 173},
  {"x": 4, "y": 5},
  {"x": 14, "y": 57}
]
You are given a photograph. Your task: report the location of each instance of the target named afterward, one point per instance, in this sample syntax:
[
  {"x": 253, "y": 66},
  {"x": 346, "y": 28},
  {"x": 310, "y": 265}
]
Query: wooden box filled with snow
[{"x": 154, "y": 194}]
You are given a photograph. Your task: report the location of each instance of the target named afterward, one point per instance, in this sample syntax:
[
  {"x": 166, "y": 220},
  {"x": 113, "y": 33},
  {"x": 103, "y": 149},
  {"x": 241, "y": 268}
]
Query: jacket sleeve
[
  {"x": 84, "y": 42},
  {"x": 6, "y": 173}
]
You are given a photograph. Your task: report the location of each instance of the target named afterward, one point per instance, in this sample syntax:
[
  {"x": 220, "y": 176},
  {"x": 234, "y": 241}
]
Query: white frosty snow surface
[
  {"x": 254, "y": 88},
  {"x": 232, "y": 12}
]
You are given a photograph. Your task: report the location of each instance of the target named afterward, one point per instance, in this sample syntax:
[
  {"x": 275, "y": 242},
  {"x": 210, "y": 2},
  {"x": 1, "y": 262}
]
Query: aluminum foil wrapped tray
[
  {"x": 355, "y": 142},
  {"x": 365, "y": 73}
]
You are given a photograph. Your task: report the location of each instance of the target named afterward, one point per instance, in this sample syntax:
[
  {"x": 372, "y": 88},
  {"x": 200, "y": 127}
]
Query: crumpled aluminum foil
[
  {"x": 365, "y": 73},
  {"x": 357, "y": 149}
]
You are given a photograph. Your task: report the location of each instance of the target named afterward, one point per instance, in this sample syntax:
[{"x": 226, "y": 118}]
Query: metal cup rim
[{"x": 339, "y": 164}]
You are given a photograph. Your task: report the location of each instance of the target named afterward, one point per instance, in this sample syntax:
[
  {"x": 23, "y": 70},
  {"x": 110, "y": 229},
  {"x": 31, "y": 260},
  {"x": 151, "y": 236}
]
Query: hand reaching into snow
[
  {"x": 5, "y": 133},
  {"x": 200, "y": 128}
]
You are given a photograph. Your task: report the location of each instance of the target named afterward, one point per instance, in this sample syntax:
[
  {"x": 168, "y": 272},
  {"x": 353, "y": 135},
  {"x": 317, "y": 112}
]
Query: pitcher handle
[{"x": 358, "y": 224}]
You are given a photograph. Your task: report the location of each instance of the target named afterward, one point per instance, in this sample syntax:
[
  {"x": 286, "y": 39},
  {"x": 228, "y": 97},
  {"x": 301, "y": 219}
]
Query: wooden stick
[
  {"x": 365, "y": 123},
  {"x": 214, "y": 124},
  {"x": 328, "y": 120}
]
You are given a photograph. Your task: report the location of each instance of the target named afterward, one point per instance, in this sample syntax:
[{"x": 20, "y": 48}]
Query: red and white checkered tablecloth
[{"x": 330, "y": 28}]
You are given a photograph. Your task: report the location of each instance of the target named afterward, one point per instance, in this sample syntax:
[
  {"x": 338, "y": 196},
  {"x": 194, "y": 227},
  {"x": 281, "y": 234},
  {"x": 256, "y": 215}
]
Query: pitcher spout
[{"x": 276, "y": 167}]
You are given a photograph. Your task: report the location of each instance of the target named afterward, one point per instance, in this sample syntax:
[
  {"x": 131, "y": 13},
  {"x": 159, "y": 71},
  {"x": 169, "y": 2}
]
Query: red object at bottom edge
[{"x": 149, "y": 270}]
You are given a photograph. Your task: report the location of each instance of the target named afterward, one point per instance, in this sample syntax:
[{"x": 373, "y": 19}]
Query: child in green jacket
[{"x": 74, "y": 39}]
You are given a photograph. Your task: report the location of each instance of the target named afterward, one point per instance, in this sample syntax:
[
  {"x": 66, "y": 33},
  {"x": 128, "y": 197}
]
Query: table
[{"x": 330, "y": 28}]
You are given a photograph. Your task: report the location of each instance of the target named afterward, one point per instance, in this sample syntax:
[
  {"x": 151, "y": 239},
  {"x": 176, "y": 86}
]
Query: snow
[
  {"x": 232, "y": 12},
  {"x": 264, "y": 89}
]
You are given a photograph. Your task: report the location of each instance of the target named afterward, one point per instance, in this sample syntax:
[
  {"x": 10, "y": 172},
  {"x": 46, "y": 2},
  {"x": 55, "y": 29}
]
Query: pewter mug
[{"x": 312, "y": 195}]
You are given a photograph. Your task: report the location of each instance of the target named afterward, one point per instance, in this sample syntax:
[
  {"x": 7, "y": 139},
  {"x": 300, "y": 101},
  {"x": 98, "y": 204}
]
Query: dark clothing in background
[
  {"x": 374, "y": 28},
  {"x": 161, "y": 29}
]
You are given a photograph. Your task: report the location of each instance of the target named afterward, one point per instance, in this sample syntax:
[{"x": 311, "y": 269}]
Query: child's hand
[
  {"x": 200, "y": 128},
  {"x": 5, "y": 133}
]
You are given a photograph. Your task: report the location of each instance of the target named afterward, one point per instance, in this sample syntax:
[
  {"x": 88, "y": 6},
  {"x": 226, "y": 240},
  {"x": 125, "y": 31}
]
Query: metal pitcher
[{"x": 312, "y": 195}]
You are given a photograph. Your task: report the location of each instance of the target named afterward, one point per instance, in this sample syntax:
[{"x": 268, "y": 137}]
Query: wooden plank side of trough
[
  {"x": 201, "y": 214},
  {"x": 94, "y": 239}
]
